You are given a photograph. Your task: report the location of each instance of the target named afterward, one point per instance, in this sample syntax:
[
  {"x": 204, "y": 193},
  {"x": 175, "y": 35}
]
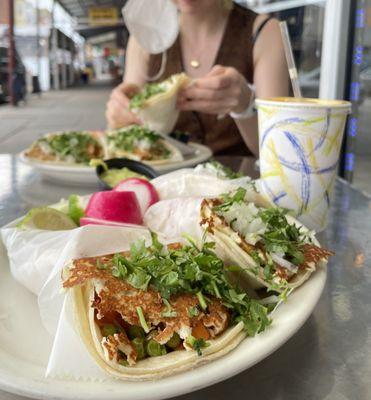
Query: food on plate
[
  {"x": 141, "y": 144},
  {"x": 75, "y": 209},
  {"x": 46, "y": 218},
  {"x": 155, "y": 104},
  {"x": 114, "y": 206},
  {"x": 144, "y": 190},
  {"x": 218, "y": 169},
  {"x": 273, "y": 249},
  {"x": 158, "y": 310},
  {"x": 114, "y": 176},
  {"x": 75, "y": 147}
]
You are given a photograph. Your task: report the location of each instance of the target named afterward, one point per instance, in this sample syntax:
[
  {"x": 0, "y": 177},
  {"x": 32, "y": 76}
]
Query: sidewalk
[{"x": 77, "y": 108}]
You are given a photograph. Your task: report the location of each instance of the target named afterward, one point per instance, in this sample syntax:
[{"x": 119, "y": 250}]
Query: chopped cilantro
[
  {"x": 281, "y": 236},
  {"x": 149, "y": 90},
  {"x": 81, "y": 146},
  {"x": 197, "y": 344},
  {"x": 136, "y": 137},
  {"x": 186, "y": 269},
  {"x": 142, "y": 320},
  {"x": 229, "y": 198},
  {"x": 193, "y": 312}
]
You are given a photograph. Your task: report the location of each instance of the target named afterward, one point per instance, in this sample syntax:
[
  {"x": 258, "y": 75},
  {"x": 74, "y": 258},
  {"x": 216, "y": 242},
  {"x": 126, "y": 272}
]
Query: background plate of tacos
[{"x": 69, "y": 163}]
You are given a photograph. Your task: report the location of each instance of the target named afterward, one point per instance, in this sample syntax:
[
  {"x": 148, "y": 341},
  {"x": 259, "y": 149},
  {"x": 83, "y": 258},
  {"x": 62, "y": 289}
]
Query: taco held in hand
[
  {"x": 156, "y": 311},
  {"x": 273, "y": 248},
  {"x": 155, "y": 104}
]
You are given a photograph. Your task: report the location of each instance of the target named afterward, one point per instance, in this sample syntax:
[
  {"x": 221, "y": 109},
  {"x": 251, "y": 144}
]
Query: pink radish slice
[
  {"x": 145, "y": 191},
  {"x": 95, "y": 221},
  {"x": 114, "y": 206}
]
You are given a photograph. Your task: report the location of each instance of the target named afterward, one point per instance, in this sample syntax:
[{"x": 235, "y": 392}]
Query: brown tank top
[{"x": 236, "y": 50}]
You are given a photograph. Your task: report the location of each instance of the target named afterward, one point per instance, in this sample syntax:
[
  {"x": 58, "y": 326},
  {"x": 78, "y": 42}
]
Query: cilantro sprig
[
  {"x": 230, "y": 198},
  {"x": 187, "y": 269},
  {"x": 281, "y": 236}
]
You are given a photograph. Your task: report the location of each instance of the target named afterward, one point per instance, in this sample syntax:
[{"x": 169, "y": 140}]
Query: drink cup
[{"x": 300, "y": 142}]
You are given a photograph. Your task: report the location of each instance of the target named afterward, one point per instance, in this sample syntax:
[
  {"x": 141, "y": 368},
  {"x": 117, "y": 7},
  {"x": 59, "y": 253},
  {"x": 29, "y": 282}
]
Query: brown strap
[{"x": 260, "y": 28}]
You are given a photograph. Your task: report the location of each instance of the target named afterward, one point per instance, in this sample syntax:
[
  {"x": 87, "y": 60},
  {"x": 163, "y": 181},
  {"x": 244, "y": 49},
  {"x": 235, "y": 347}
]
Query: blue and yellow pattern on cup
[{"x": 300, "y": 142}]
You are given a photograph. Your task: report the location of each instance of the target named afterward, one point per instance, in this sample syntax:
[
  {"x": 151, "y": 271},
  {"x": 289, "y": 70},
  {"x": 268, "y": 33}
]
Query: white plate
[
  {"x": 25, "y": 345},
  {"x": 85, "y": 175}
]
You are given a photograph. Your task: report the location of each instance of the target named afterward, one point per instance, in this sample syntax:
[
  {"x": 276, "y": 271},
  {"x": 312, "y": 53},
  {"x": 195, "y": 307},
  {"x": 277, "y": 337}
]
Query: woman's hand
[
  {"x": 118, "y": 113},
  {"x": 221, "y": 91}
]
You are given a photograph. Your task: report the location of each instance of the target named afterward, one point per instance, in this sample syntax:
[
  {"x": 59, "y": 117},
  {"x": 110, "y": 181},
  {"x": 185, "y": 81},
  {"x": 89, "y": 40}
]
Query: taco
[
  {"x": 159, "y": 310},
  {"x": 274, "y": 250},
  {"x": 155, "y": 104},
  {"x": 141, "y": 144},
  {"x": 74, "y": 147}
]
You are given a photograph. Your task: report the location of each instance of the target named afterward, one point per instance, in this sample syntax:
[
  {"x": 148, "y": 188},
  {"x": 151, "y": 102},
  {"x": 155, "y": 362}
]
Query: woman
[{"x": 223, "y": 47}]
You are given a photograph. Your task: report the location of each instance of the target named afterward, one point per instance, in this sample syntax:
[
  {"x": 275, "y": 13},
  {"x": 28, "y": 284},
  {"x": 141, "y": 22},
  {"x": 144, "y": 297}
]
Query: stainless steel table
[{"x": 330, "y": 357}]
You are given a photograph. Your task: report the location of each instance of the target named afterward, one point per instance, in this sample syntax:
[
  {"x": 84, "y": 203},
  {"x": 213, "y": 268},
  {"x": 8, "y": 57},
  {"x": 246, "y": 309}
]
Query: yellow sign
[{"x": 103, "y": 15}]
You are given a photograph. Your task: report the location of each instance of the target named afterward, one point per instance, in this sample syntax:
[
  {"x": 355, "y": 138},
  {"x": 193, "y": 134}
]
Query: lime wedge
[{"x": 48, "y": 219}]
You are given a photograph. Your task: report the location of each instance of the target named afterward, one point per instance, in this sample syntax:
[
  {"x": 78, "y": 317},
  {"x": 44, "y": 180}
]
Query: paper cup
[{"x": 300, "y": 142}]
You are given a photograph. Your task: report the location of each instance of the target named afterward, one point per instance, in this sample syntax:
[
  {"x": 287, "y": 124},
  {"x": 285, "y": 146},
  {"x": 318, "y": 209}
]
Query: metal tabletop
[{"x": 330, "y": 356}]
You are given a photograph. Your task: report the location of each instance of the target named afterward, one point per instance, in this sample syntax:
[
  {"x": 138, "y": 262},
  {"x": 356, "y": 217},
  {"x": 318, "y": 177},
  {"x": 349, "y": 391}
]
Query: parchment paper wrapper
[
  {"x": 197, "y": 182},
  {"x": 175, "y": 217},
  {"x": 33, "y": 253}
]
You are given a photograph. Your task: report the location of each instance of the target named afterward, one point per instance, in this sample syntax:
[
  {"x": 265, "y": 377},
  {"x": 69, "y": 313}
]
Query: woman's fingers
[
  {"x": 197, "y": 93},
  {"x": 209, "y": 106},
  {"x": 118, "y": 113},
  {"x": 218, "y": 78}
]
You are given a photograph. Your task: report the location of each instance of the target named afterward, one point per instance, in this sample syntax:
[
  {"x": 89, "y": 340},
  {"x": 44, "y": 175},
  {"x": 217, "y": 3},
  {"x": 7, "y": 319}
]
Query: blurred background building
[{"x": 72, "y": 43}]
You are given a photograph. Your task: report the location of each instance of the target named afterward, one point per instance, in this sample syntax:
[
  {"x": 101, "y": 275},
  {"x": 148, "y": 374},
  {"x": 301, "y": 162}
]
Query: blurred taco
[
  {"x": 156, "y": 311},
  {"x": 273, "y": 249},
  {"x": 73, "y": 147},
  {"x": 155, "y": 104},
  {"x": 141, "y": 144}
]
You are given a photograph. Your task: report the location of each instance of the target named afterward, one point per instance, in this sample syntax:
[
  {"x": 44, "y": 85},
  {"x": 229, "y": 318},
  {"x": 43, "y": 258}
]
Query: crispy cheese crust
[{"x": 116, "y": 297}]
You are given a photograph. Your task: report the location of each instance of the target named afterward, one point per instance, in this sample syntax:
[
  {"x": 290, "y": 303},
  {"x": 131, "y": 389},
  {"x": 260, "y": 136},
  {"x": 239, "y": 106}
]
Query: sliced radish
[
  {"x": 145, "y": 191},
  {"x": 114, "y": 206},
  {"x": 96, "y": 221}
]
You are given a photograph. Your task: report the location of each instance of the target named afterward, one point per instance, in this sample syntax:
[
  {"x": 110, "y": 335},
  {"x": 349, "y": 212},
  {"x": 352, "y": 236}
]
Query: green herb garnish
[
  {"x": 142, "y": 320},
  {"x": 80, "y": 146},
  {"x": 230, "y": 198},
  {"x": 149, "y": 90},
  {"x": 136, "y": 137},
  {"x": 197, "y": 344},
  {"x": 186, "y": 269}
]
